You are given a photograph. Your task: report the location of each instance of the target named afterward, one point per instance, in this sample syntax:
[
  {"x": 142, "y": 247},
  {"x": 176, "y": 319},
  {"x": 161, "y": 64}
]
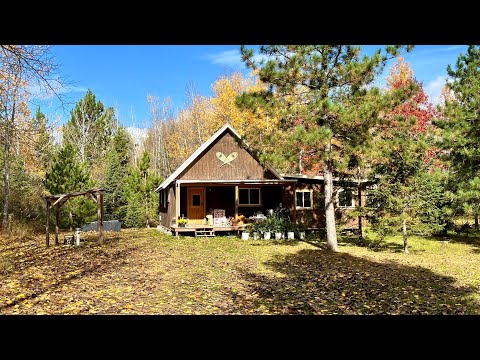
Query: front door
[{"x": 196, "y": 205}]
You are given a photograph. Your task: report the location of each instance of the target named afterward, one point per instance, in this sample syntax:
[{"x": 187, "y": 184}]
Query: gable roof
[{"x": 197, "y": 153}]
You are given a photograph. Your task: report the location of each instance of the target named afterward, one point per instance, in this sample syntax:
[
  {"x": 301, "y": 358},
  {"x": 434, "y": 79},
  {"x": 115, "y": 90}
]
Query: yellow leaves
[{"x": 400, "y": 74}]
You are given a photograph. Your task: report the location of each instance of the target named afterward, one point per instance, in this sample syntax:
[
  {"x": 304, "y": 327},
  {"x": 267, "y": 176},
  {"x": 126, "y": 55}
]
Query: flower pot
[
  {"x": 267, "y": 235},
  {"x": 278, "y": 236},
  {"x": 181, "y": 225},
  {"x": 255, "y": 236},
  {"x": 290, "y": 235},
  {"x": 245, "y": 235},
  {"x": 301, "y": 235}
]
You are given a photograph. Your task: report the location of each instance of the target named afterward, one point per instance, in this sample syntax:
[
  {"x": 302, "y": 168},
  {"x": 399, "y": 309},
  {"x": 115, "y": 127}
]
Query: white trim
[
  {"x": 338, "y": 200},
  {"x": 311, "y": 199},
  {"x": 201, "y": 149}
]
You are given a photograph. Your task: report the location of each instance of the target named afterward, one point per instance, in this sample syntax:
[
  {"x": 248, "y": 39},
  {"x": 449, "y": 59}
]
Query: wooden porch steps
[{"x": 205, "y": 232}]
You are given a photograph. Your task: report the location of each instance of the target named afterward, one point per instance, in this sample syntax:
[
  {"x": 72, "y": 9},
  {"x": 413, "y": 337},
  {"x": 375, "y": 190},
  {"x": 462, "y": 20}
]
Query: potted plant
[
  {"x": 265, "y": 228},
  {"x": 291, "y": 227},
  {"x": 256, "y": 230},
  {"x": 300, "y": 231},
  {"x": 246, "y": 232},
  {"x": 182, "y": 222},
  {"x": 278, "y": 227}
]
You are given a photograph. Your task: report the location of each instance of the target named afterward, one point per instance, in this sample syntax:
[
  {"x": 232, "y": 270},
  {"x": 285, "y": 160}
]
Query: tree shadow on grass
[
  {"x": 64, "y": 263},
  {"x": 322, "y": 282}
]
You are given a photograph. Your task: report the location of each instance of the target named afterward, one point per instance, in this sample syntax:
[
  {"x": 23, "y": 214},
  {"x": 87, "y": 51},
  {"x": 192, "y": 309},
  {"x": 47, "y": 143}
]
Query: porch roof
[{"x": 239, "y": 182}]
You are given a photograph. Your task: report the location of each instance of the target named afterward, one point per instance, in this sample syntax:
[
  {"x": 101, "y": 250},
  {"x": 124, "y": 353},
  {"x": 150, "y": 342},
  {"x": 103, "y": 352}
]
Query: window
[
  {"x": 195, "y": 200},
  {"x": 163, "y": 198},
  {"x": 249, "y": 196},
  {"x": 303, "y": 199},
  {"x": 345, "y": 198}
]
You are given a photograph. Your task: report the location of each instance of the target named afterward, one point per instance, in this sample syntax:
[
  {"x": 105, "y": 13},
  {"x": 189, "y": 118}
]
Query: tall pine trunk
[
  {"x": 359, "y": 196},
  {"x": 404, "y": 235},
  {"x": 329, "y": 208}
]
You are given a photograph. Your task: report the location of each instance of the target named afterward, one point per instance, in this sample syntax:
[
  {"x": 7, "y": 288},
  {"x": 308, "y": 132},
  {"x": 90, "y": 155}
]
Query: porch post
[
  {"x": 236, "y": 202},
  {"x": 47, "y": 230},
  {"x": 56, "y": 224},
  {"x": 177, "y": 202}
]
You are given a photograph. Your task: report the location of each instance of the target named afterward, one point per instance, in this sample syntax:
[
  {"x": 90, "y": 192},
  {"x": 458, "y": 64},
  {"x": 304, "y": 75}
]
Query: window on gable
[{"x": 303, "y": 199}]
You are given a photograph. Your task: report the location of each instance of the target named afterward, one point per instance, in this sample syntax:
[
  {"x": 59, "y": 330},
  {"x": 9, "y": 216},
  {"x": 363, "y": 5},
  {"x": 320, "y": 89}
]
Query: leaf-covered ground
[{"x": 146, "y": 272}]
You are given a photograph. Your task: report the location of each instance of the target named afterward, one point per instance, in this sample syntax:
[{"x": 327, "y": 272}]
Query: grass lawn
[{"x": 146, "y": 272}]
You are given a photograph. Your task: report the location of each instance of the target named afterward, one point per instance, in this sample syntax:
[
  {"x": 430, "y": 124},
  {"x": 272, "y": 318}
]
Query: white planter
[
  {"x": 301, "y": 235},
  {"x": 290, "y": 235},
  {"x": 267, "y": 235},
  {"x": 245, "y": 235},
  {"x": 255, "y": 236},
  {"x": 278, "y": 236}
]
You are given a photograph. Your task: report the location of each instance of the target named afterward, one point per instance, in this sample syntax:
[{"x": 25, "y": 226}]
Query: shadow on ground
[
  {"x": 59, "y": 265},
  {"x": 321, "y": 282}
]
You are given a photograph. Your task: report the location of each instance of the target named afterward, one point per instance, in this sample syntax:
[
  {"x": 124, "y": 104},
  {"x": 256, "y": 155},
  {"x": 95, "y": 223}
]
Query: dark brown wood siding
[
  {"x": 168, "y": 213},
  {"x": 315, "y": 218},
  {"x": 209, "y": 167},
  {"x": 311, "y": 218}
]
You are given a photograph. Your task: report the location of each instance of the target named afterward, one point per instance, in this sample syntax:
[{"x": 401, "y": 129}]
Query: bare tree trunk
[
  {"x": 329, "y": 207},
  {"x": 404, "y": 234},
  {"x": 6, "y": 186},
  {"x": 476, "y": 222},
  {"x": 6, "y": 166}
]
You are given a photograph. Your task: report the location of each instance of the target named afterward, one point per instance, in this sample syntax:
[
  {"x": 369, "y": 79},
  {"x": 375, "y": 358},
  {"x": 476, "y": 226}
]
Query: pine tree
[
  {"x": 66, "y": 174},
  {"x": 117, "y": 169},
  {"x": 461, "y": 125},
  {"x": 322, "y": 95},
  {"x": 90, "y": 129},
  {"x": 142, "y": 200},
  {"x": 401, "y": 160}
]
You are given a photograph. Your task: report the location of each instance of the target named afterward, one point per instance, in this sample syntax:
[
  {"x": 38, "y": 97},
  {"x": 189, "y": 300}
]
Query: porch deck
[{"x": 197, "y": 228}]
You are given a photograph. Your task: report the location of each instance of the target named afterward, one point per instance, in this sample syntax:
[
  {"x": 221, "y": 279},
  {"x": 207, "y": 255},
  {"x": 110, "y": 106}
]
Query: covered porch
[{"x": 225, "y": 205}]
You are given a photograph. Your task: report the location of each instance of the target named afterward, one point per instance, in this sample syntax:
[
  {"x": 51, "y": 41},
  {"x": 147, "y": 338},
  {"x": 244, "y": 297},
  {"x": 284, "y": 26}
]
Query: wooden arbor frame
[{"x": 56, "y": 201}]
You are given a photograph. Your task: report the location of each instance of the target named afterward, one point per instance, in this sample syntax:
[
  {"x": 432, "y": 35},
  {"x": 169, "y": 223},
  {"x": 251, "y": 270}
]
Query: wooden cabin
[{"x": 222, "y": 184}]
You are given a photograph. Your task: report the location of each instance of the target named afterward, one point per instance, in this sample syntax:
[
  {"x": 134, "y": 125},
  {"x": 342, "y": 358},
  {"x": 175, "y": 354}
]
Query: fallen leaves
[{"x": 145, "y": 272}]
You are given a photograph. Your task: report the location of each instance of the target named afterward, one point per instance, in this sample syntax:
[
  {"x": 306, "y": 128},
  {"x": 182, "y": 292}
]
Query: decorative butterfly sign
[{"x": 227, "y": 159}]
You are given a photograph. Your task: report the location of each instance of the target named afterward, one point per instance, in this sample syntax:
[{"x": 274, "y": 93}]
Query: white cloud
[
  {"x": 45, "y": 93},
  {"x": 230, "y": 58},
  {"x": 434, "y": 89},
  {"x": 227, "y": 57},
  {"x": 138, "y": 134}
]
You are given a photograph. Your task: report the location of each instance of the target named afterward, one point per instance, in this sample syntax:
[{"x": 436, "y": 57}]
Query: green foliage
[
  {"x": 25, "y": 188},
  {"x": 461, "y": 128},
  {"x": 325, "y": 98},
  {"x": 90, "y": 129},
  {"x": 135, "y": 214},
  {"x": 117, "y": 169},
  {"x": 142, "y": 208},
  {"x": 43, "y": 146},
  {"x": 66, "y": 174}
]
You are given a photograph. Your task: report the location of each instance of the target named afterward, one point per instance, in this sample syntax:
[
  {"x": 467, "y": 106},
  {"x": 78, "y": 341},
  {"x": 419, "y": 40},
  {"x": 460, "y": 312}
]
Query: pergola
[{"x": 56, "y": 201}]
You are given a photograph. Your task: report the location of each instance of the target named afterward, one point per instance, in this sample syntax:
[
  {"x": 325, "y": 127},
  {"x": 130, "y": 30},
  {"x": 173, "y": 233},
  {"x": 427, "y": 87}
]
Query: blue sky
[{"x": 123, "y": 76}]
